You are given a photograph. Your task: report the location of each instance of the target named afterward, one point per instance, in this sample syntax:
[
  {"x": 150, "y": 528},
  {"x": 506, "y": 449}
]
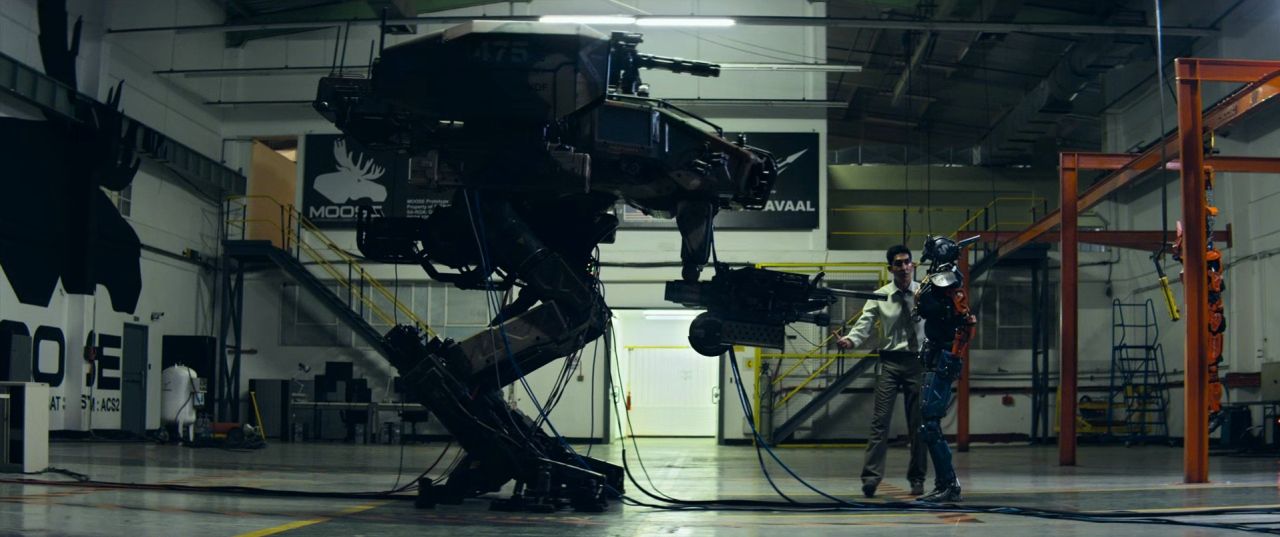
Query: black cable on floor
[{"x": 837, "y": 504}]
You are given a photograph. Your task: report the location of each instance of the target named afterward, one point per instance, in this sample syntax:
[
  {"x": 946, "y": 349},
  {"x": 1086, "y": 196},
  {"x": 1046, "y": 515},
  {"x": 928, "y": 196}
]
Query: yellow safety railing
[
  {"x": 878, "y": 271},
  {"x": 990, "y": 207},
  {"x": 974, "y": 216},
  {"x": 972, "y": 219},
  {"x": 294, "y": 229}
]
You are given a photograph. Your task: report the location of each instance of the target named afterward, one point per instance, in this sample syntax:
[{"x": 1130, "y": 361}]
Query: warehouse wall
[
  {"x": 168, "y": 218},
  {"x": 1247, "y": 203}
]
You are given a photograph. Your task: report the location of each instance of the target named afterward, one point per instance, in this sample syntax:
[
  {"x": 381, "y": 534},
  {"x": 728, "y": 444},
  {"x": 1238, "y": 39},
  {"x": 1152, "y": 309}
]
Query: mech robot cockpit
[{"x": 537, "y": 130}]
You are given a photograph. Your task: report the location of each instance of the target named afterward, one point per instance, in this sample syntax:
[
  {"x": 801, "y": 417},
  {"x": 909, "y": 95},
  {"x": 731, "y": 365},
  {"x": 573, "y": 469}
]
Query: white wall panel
[{"x": 165, "y": 216}]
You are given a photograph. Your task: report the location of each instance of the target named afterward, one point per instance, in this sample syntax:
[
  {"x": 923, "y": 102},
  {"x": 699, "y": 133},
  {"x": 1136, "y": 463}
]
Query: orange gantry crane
[{"x": 1202, "y": 281}]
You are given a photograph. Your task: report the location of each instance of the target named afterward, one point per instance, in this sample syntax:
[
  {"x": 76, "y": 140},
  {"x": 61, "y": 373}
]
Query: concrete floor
[{"x": 1108, "y": 478}]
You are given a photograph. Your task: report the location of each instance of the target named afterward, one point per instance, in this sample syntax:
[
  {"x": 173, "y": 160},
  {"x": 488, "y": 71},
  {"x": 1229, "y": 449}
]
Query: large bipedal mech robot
[
  {"x": 943, "y": 304},
  {"x": 537, "y": 130}
]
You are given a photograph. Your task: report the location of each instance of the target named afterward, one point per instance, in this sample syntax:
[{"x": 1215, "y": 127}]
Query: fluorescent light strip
[
  {"x": 588, "y": 19},
  {"x": 685, "y": 21},
  {"x": 669, "y": 317}
]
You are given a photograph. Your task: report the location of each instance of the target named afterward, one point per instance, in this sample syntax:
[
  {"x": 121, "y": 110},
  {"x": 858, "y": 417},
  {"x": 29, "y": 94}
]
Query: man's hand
[{"x": 841, "y": 342}]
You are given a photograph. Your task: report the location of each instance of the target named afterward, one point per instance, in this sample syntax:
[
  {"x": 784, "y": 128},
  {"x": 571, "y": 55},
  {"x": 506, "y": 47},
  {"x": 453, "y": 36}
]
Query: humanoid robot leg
[{"x": 935, "y": 398}]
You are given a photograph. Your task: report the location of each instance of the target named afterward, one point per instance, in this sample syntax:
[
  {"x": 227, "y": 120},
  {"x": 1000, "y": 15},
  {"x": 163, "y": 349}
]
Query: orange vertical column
[
  {"x": 1195, "y": 450},
  {"x": 1070, "y": 313},
  {"x": 962, "y": 403}
]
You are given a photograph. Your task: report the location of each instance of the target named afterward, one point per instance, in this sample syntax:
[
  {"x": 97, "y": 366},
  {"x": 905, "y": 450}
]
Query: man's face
[{"x": 902, "y": 268}]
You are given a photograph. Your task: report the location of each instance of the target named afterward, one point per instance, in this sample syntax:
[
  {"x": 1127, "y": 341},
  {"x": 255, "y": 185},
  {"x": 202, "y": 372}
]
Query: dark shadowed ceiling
[
  {"x": 1011, "y": 87},
  {"x": 986, "y": 97}
]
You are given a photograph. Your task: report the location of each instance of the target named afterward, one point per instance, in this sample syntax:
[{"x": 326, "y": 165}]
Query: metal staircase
[
  {"x": 988, "y": 219},
  {"x": 1138, "y": 389},
  {"x": 262, "y": 233},
  {"x": 783, "y": 432},
  {"x": 1034, "y": 258},
  {"x": 779, "y": 388},
  {"x": 806, "y": 376}
]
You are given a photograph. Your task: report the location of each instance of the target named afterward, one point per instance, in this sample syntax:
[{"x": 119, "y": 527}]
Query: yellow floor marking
[
  {"x": 1193, "y": 509},
  {"x": 894, "y": 514},
  {"x": 988, "y": 492},
  {"x": 311, "y": 521},
  {"x": 1178, "y": 486}
]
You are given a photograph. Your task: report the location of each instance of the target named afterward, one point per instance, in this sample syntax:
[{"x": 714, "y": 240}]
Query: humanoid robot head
[{"x": 939, "y": 250}]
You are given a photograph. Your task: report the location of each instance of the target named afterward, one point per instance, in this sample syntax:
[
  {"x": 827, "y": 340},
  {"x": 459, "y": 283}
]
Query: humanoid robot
[{"x": 943, "y": 304}]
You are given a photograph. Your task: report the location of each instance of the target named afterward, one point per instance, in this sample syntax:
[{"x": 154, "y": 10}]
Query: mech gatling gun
[{"x": 538, "y": 130}]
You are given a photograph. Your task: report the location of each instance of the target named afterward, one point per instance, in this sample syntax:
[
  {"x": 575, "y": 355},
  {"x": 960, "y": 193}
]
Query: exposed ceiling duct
[{"x": 1055, "y": 97}]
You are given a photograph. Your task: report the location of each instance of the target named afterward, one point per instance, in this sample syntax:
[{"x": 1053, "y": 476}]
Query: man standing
[{"x": 900, "y": 369}]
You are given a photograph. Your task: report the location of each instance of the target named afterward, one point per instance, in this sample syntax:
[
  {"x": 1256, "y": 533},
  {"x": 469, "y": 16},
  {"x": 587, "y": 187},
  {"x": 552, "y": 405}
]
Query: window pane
[
  {"x": 1014, "y": 338},
  {"x": 305, "y": 321},
  {"x": 467, "y": 307},
  {"x": 1015, "y": 305}
]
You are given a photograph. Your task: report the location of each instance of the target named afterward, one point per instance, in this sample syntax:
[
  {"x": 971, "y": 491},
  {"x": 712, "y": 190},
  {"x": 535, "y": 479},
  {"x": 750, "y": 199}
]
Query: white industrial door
[{"x": 673, "y": 392}]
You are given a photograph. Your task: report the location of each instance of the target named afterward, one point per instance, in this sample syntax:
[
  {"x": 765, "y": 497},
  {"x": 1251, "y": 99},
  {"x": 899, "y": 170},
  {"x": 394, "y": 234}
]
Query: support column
[
  {"x": 1195, "y": 450},
  {"x": 1068, "y": 170},
  {"x": 224, "y": 391},
  {"x": 1036, "y": 316},
  {"x": 962, "y": 398}
]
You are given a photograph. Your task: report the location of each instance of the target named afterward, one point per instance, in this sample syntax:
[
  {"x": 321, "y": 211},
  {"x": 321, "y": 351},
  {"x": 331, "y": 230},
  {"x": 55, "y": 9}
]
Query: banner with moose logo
[{"x": 339, "y": 177}]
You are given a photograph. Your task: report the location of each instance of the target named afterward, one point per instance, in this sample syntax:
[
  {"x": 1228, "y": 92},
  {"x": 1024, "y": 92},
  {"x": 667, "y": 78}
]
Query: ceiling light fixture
[
  {"x": 670, "y": 315},
  {"x": 588, "y": 19},
  {"x": 685, "y": 21}
]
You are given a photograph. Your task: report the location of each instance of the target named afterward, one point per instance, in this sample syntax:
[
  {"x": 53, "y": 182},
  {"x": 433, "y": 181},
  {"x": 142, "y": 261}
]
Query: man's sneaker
[
  {"x": 943, "y": 494},
  {"x": 917, "y": 488},
  {"x": 869, "y": 489}
]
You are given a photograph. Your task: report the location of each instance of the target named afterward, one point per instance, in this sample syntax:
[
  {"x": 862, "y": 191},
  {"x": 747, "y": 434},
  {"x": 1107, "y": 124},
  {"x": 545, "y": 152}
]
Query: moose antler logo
[
  {"x": 353, "y": 180},
  {"x": 56, "y": 221}
]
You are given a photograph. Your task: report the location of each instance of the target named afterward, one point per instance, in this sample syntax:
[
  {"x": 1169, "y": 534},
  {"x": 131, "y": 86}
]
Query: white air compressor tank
[{"x": 179, "y": 396}]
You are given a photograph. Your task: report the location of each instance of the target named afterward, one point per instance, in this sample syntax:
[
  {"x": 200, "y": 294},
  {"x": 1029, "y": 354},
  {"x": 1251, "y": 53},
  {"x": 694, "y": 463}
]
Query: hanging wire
[
  {"x": 986, "y": 111},
  {"x": 906, "y": 156},
  {"x": 928, "y": 146},
  {"x": 1164, "y": 158}
]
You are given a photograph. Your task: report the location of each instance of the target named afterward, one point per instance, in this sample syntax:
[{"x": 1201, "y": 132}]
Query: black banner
[
  {"x": 793, "y": 204},
  {"x": 339, "y": 176}
]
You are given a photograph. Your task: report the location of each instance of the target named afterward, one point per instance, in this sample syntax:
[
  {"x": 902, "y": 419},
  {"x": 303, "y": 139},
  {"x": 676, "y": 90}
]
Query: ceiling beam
[
  {"x": 934, "y": 63},
  {"x": 874, "y": 78},
  {"x": 1138, "y": 240},
  {"x": 912, "y": 96},
  {"x": 745, "y": 20},
  {"x": 234, "y": 5},
  {"x": 923, "y": 48},
  {"x": 243, "y": 72},
  {"x": 900, "y": 85}
]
